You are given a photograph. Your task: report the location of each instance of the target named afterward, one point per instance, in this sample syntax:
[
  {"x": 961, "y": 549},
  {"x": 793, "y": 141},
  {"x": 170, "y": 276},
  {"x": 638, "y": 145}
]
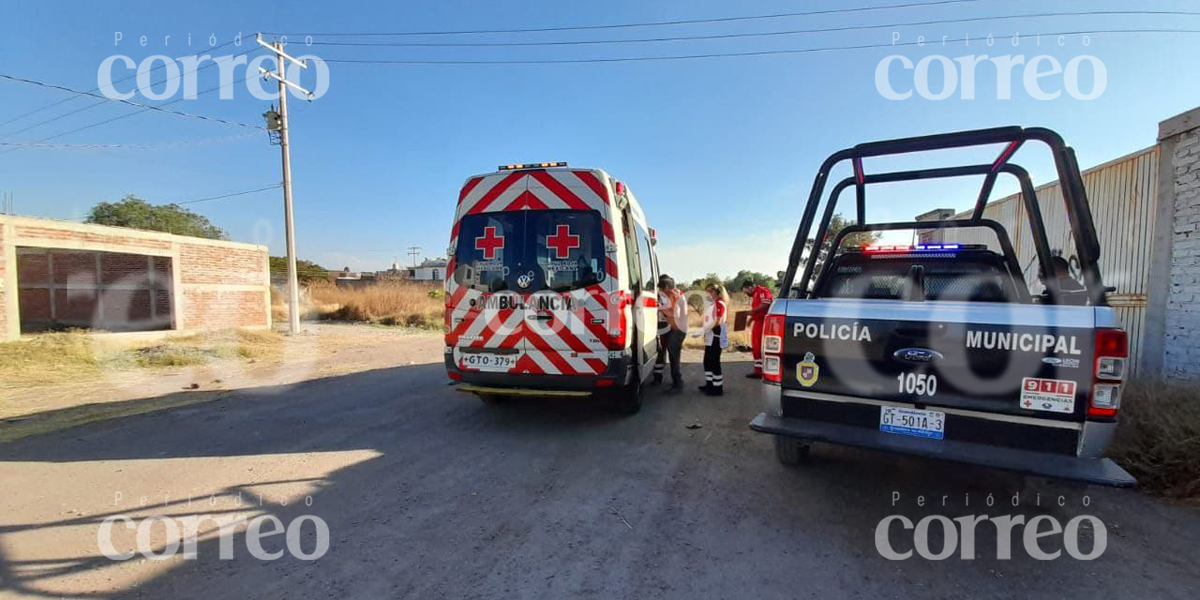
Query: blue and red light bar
[{"x": 893, "y": 249}]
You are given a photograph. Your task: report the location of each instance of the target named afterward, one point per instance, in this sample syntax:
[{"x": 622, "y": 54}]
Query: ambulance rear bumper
[{"x": 612, "y": 378}]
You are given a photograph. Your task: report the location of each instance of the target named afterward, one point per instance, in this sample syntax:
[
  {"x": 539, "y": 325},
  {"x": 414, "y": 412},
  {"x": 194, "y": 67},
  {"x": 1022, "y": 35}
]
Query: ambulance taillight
[{"x": 619, "y": 318}]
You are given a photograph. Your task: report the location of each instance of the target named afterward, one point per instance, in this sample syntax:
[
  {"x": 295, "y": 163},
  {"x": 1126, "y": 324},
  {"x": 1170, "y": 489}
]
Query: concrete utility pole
[
  {"x": 414, "y": 252},
  {"x": 282, "y": 125}
]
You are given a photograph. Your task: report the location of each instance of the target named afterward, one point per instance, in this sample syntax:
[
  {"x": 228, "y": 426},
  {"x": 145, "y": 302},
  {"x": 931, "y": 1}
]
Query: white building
[{"x": 429, "y": 270}]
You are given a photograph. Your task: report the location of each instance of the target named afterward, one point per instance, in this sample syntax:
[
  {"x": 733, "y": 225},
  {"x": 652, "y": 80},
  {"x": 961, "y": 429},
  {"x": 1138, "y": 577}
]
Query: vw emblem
[
  {"x": 917, "y": 355},
  {"x": 525, "y": 279}
]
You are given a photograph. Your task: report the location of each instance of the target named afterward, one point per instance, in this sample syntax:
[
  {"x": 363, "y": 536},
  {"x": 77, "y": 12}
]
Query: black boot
[
  {"x": 657, "y": 379},
  {"x": 715, "y": 391}
]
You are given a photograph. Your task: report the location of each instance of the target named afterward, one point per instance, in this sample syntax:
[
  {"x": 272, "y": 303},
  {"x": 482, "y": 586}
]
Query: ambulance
[{"x": 550, "y": 287}]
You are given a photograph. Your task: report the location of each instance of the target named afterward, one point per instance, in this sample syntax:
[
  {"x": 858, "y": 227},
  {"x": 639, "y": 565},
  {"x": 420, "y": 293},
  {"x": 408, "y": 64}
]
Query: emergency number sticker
[{"x": 1053, "y": 395}]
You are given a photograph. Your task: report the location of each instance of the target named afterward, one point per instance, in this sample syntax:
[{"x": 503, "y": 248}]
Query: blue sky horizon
[{"x": 720, "y": 151}]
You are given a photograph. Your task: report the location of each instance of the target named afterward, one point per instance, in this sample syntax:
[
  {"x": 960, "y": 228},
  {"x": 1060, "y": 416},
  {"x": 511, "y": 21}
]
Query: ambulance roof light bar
[{"x": 521, "y": 166}]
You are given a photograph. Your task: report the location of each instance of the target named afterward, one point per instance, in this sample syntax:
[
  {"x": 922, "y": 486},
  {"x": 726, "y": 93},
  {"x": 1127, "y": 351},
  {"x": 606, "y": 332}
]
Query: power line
[
  {"x": 762, "y": 34},
  {"x": 273, "y": 186},
  {"x": 127, "y": 115},
  {"x": 655, "y": 23},
  {"x": 105, "y": 99},
  {"x": 129, "y": 102},
  {"x": 156, "y": 146},
  {"x": 69, "y": 98},
  {"x": 733, "y": 54}
]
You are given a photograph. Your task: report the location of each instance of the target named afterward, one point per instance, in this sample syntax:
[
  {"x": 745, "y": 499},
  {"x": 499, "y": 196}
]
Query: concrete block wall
[
  {"x": 1180, "y": 137},
  {"x": 212, "y": 284}
]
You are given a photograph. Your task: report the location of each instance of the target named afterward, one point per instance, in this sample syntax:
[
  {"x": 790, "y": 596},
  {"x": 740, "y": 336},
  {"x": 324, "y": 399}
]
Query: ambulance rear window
[
  {"x": 489, "y": 250},
  {"x": 530, "y": 250},
  {"x": 568, "y": 248}
]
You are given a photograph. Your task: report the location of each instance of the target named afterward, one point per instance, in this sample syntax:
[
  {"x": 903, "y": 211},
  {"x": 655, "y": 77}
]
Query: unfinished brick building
[{"x": 55, "y": 274}]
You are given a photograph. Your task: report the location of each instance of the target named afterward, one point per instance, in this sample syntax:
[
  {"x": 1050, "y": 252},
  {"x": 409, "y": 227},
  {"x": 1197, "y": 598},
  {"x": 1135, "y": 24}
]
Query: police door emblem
[{"x": 808, "y": 371}]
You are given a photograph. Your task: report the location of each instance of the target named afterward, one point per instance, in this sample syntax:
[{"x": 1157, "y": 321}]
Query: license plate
[
  {"x": 494, "y": 363},
  {"x": 911, "y": 421}
]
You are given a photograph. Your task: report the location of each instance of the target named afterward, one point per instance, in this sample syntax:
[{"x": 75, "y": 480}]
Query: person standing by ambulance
[
  {"x": 760, "y": 303},
  {"x": 673, "y": 312},
  {"x": 664, "y": 327},
  {"x": 716, "y": 339}
]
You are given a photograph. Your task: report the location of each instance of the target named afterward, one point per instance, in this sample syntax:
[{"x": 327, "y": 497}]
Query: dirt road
[{"x": 428, "y": 493}]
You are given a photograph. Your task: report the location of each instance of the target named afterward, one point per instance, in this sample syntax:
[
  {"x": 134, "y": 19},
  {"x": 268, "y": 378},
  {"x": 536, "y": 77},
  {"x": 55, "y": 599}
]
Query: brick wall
[
  {"x": 102, "y": 290},
  {"x": 1181, "y": 356},
  {"x": 200, "y": 263},
  {"x": 214, "y": 280},
  {"x": 109, "y": 276},
  {"x": 223, "y": 308}
]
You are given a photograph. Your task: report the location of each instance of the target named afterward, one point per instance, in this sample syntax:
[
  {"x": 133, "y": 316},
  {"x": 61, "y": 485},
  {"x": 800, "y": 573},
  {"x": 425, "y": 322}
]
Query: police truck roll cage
[{"x": 1074, "y": 196}]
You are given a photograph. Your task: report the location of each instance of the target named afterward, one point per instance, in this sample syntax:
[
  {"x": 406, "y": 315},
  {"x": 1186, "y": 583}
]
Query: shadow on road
[{"x": 429, "y": 493}]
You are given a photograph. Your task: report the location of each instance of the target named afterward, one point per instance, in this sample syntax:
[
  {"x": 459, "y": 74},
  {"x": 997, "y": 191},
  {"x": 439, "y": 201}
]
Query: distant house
[
  {"x": 433, "y": 269},
  {"x": 348, "y": 278}
]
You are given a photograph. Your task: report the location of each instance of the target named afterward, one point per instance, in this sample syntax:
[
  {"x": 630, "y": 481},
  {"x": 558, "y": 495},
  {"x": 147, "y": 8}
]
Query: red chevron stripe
[
  {"x": 467, "y": 187},
  {"x": 558, "y": 189},
  {"x": 495, "y": 192},
  {"x": 526, "y": 200},
  {"x": 593, "y": 182}
]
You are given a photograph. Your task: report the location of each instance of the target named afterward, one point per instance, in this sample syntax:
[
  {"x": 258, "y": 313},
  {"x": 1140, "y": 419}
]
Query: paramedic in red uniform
[{"x": 760, "y": 303}]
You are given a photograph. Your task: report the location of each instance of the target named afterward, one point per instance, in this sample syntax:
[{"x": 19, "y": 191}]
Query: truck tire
[
  {"x": 628, "y": 400},
  {"x": 790, "y": 451}
]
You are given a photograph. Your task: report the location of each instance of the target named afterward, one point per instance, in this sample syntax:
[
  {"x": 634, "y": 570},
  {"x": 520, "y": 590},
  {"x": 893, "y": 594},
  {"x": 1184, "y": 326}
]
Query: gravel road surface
[{"x": 428, "y": 493}]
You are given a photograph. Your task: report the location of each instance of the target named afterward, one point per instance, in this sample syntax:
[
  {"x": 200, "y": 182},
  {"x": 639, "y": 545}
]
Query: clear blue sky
[{"x": 720, "y": 151}]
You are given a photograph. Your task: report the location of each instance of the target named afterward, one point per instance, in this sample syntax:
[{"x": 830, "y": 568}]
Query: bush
[{"x": 1158, "y": 437}]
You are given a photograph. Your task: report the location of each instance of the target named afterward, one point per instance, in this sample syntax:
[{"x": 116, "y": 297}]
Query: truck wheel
[
  {"x": 790, "y": 451},
  {"x": 629, "y": 398},
  {"x": 491, "y": 399}
]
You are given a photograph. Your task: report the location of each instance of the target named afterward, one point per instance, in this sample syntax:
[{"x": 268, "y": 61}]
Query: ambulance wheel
[
  {"x": 491, "y": 399},
  {"x": 629, "y": 398},
  {"x": 790, "y": 451}
]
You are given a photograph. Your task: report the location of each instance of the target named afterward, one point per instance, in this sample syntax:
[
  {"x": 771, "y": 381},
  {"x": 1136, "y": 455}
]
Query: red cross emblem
[
  {"x": 562, "y": 242},
  {"x": 489, "y": 243}
]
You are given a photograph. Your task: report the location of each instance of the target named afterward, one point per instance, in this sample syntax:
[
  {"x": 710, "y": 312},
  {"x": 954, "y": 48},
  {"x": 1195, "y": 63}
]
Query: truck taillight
[
  {"x": 1112, "y": 352},
  {"x": 618, "y": 332},
  {"x": 772, "y": 344}
]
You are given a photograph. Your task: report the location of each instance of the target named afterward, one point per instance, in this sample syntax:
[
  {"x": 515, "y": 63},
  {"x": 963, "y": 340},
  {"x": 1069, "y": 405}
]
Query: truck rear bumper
[{"x": 1100, "y": 471}]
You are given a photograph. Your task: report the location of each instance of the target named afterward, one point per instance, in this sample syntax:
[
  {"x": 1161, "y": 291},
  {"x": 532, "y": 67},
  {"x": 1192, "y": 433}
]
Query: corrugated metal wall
[{"x": 1122, "y": 195}]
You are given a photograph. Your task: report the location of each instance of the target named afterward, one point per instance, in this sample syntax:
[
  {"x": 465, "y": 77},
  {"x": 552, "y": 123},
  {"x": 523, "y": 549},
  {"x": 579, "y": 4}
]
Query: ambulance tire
[
  {"x": 628, "y": 400},
  {"x": 791, "y": 451},
  {"x": 492, "y": 399}
]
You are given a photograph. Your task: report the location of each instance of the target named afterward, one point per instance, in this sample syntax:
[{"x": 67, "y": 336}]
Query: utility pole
[
  {"x": 281, "y": 124},
  {"x": 414, "y": 252}
]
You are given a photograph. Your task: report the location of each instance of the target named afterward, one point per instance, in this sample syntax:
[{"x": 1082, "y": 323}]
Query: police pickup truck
[{"x": 941, "y": 349}]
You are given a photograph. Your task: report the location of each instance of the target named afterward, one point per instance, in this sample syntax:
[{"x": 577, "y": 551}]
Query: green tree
[
  {"x": 306, "y": 270},
  {"x": 134, "y": 212},
  {"x": 734, "y": 284}
]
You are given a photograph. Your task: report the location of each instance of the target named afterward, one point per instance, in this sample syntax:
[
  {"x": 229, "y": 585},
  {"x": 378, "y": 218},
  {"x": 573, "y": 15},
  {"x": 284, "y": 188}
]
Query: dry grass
[
  {"x": 73, "y": 355},
  {"x": 1158, "y": 437},
  {"x": 399, "y": 304}
]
